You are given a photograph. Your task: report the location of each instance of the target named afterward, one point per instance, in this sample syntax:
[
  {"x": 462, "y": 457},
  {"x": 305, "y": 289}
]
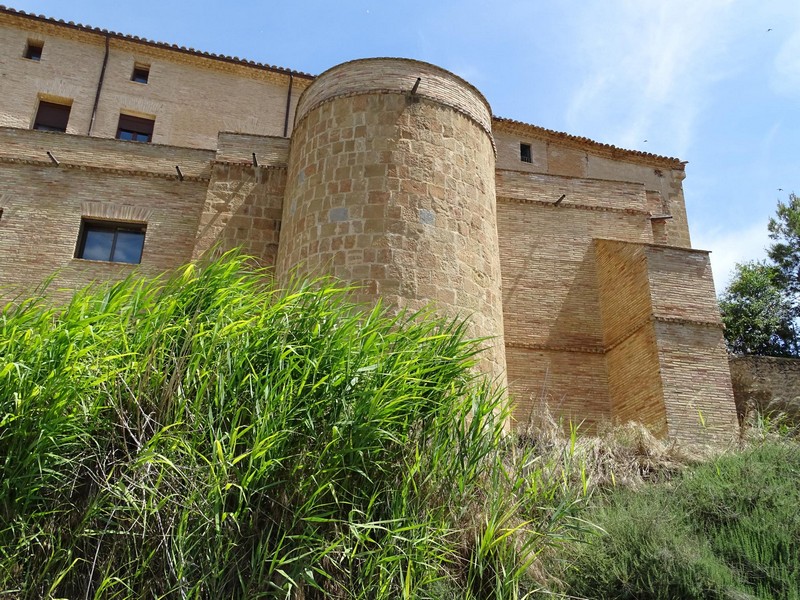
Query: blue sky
[{"x": 712, "y": 82}]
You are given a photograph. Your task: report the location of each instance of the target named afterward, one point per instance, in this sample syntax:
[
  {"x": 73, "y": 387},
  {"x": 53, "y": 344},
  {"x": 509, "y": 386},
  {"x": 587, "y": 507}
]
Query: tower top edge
[{"x": 397, "y": 75}]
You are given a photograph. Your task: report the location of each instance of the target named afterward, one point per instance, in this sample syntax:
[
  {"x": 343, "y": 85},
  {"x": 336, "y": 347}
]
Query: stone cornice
[
  {"x": 611, "y": 209},
  {"x": 553, "y": 348},
  {"x": 99, "y": 169}
]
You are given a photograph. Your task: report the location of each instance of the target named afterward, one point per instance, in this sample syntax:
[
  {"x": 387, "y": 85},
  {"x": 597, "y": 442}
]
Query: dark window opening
[
  {"x": 525, "y": 153},
  {"x": 33, "y": 50},
  {"x": 135, "y": 129},
  {"x": 141, "y": 73},
  {"x": 110, "y": 241},
  {"x": 51, "y": 116}
]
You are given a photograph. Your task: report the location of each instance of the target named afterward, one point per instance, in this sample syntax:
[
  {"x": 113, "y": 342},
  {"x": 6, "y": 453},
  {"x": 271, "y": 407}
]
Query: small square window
[
  {"x": 51, "y": 116},
  {"x": 525, "y": 153},
  {"x": 135, "y": 129},
  {"x": 111, "y": 241},
  {"x": 141, "y": 73},
  {"x": 33, "y": 50}
]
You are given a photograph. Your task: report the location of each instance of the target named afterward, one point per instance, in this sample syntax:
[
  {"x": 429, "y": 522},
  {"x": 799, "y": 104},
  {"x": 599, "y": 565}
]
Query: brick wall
[
  {"x": 553, "y": 330},
  {"x": 697, "y": 382},
  {"x": 43, "y": 205},
  {"x": 94, "y": 154},
  {"x": 666, "y": 357},
  {"x": 573, "y": 384},
  {"x": 670, "y": 270},
  {"x": 69, "y": 69},
  {"x": 553, "y": 153},
  {"x": 270, "y": 151},
  {"x": 191, "y": 97},
  {"x": 635, "y": 386}
]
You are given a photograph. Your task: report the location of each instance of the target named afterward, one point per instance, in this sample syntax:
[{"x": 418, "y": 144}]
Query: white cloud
[
  {"x": 731, "y": 246},
  {"x": 649, "y": 66},
  {"x": 786, "y": 74}
]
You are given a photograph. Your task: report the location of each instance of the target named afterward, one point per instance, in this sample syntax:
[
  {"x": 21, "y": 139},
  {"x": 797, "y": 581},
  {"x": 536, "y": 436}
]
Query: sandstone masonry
[{"x": 572, "y": 257}]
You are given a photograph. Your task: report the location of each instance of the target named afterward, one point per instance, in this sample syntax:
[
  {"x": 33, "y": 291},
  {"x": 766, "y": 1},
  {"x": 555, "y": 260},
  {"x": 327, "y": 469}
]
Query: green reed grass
[{"x": 206, "y": 436}]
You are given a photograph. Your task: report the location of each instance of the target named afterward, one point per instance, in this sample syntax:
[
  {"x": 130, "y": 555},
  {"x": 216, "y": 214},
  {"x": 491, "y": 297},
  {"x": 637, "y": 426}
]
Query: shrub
[{"x": 728, "y": 528}]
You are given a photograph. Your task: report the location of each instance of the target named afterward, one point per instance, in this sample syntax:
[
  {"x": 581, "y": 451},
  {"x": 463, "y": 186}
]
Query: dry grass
[{"x": 627, "y": 455}]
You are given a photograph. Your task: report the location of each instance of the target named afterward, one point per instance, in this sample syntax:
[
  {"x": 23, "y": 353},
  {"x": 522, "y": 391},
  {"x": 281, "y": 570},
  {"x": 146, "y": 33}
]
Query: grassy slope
[{"x": 728, "y": 528}]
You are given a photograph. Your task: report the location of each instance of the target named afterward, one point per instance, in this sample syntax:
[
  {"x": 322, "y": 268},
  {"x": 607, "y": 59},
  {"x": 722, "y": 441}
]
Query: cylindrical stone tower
[{"x": 391, "y": 186}]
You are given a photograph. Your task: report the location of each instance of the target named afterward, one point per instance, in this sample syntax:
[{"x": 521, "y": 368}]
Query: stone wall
[
  {"x": 592, "y": 297},
  {"x": 766, "y": 384},
  {"x": 377, "y": 75},
  {"x": 242, "y": 210},
  {"x": 395, "y": 193}
]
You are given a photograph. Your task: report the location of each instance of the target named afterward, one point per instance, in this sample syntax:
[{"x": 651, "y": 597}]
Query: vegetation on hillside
[
  {"x": 729, "y": 528},
  {"x": 207, "y": 436}
]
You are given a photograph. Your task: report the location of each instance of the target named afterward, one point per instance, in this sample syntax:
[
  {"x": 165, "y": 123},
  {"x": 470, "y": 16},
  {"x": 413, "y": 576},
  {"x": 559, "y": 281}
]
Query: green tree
[
  {"x": 784, "y": 229},
  {"x": 761, "y": 306},
  {"x": 758, "y": 313}
]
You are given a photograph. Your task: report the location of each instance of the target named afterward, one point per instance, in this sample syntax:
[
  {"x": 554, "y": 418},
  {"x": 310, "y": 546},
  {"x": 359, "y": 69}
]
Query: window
[
  {"x": 33, "y": 50},
  {"x": 135, "y": 129},
  {"x": 51, "y": 116},
  {"x": 525, "y": 153},
  {"x": 141, "y": 73},
  {"x": 110, "y": 241}
]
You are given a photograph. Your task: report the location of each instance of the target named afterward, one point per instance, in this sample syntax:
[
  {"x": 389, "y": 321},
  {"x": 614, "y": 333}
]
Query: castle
[{"x": 120, "y": 155}]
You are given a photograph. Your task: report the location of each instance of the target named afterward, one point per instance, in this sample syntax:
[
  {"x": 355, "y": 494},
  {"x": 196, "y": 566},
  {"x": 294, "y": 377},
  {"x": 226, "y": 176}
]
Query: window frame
[
  {"x": 140, "y": 68},
  {"x": 33, "y": 50},
  {"x": 52, "y": 107},
  {"x": 135, "y": 126},
  {"x": 89, "y": 224},
  {"x": 525, "y": 153}
]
